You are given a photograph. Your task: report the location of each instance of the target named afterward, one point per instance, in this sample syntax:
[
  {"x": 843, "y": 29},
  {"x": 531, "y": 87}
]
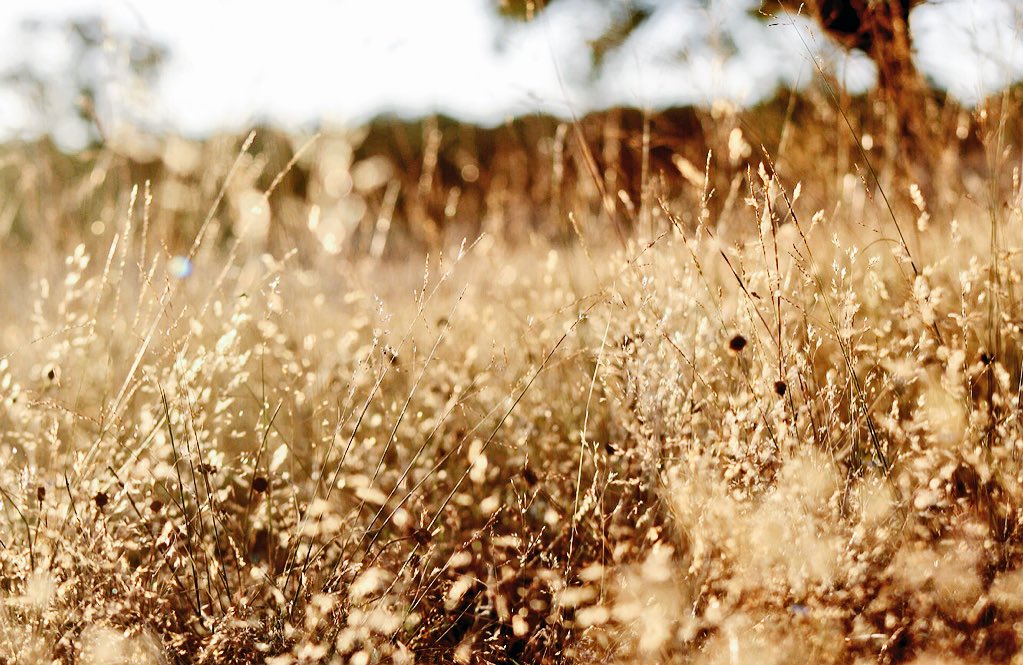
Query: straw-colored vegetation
[{"x": 761, "y": 407}]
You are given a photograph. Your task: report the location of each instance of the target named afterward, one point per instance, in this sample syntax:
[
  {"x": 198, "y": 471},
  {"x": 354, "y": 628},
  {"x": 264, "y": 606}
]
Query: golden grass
[{"x": 768, "y": 427}]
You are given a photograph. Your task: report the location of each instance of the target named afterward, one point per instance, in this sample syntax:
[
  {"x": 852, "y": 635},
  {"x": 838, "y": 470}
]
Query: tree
[
  {"x": 880, "y": 28},
  {"x": 75, "y": 101}
]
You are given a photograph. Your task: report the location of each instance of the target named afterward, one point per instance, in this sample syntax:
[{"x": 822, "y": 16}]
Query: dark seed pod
[
  {"x": 101, "y": 499},
  {"x": 156, "y": 506},
  {"x": 780, "y": 387},
  {"x": 986, "y": 358},
  {"x": 737, "y": 343},
  {"x": 41, "y": 493},
  {"x": 259, "y": 484}
]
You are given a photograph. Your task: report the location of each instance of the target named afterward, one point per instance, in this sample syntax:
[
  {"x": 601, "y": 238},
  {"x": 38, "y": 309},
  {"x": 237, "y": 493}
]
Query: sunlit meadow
[{"x": 591, "y": 391}]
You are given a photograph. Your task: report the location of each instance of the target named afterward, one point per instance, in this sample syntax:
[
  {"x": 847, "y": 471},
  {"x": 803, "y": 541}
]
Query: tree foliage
[
  {"x": 878, "y": 28},
  {"x": 74, "y": 99}
]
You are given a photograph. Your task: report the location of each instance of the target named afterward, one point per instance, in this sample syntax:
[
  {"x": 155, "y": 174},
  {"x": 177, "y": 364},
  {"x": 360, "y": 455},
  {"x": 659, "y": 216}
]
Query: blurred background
[
  {"x": 376, "y": 128},
  {"x": 197, "y": 67}
]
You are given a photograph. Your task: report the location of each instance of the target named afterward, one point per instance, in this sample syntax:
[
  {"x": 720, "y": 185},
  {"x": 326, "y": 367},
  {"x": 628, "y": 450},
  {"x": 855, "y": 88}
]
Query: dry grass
[{"x": 769, "y": 426}]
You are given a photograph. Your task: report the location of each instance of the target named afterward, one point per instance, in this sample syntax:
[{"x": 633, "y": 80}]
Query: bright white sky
[{"x": 234, "y": 62}]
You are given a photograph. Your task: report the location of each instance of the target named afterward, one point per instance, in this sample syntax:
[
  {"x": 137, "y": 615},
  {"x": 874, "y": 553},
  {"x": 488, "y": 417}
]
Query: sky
[{"x": 305, "y": 63}]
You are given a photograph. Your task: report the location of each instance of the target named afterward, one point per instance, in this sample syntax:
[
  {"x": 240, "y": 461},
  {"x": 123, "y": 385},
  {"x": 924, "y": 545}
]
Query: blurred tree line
[
  {"x": 441, "y": 178},
  {"x": 99, "y": 57},
  {"x": 74, "y": 97},
  {"x": 878, "y": 28}
]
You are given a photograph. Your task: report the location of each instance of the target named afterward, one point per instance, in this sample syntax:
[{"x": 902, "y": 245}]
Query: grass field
[{"x": 756, "y": 407}]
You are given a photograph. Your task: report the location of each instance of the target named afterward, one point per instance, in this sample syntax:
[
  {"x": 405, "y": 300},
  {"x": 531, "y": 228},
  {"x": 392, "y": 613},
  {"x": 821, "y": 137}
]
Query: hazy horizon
[{"x": 233, "y": 64}]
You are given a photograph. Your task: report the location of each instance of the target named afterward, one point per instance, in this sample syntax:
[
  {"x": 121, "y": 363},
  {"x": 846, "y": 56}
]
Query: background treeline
[{"x": 431, "y": 182}]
